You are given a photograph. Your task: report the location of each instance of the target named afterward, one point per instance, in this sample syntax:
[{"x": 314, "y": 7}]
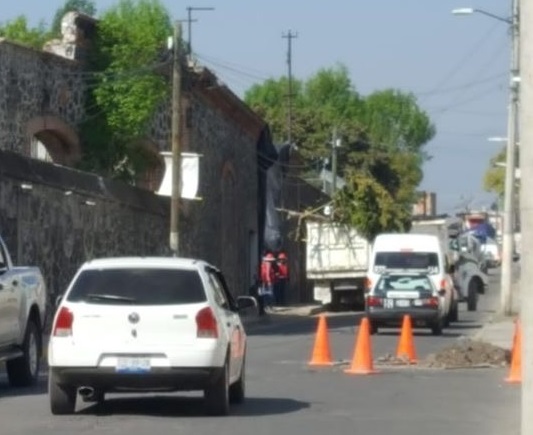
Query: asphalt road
[{"x": 285, "y": 396}]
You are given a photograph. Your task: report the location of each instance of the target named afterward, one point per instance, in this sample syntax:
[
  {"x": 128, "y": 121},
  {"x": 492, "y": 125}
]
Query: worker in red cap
[
  {"x": 282, "y": 270},
  {"x": 268, "y": 279}
]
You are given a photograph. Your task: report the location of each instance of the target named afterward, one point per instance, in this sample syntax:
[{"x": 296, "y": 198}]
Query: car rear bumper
[
  {"x": 158, "y": 379},
  {"x": 395, "y": 317}
]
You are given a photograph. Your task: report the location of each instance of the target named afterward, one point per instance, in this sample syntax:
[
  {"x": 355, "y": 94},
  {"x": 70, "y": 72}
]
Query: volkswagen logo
[{"x": 133, "y": 318}]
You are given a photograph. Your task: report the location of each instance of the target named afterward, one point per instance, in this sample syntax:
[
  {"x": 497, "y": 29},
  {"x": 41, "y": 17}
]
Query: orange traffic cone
[
  {"x": 362, "y": 360},
  {"x": 406, "y": 346},
  {"x": 515, "y": 373},
  {"x": 321, "y": 351}
]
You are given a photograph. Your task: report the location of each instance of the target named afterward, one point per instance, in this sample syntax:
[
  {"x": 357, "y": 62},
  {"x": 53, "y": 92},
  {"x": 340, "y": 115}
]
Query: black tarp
[{"x": 267, "y": 155}]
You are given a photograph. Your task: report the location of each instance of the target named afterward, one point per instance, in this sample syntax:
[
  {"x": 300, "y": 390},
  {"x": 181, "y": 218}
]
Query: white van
[{"x": 415, "y": 252}]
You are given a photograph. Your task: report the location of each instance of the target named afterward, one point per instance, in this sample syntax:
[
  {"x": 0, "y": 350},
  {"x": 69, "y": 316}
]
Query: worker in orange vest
[
  {"x": 268, "y": 279},
  {"x": 282, "y": 278}
]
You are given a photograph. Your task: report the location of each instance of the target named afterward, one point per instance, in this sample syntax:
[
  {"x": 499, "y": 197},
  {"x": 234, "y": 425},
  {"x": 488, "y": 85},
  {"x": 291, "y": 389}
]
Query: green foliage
[
  {"x": 494, "y": 179},
  {"x": 19, "y": 31},
  {"x": 87, "y": 7},
  {"x": 383, "y": 138},
  {"x": 131, "y": 36},
  {"x": 368, "y": 206}
]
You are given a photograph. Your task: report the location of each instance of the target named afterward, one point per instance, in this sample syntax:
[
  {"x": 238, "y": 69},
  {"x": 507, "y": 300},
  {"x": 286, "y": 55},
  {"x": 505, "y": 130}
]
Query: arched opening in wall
[
  {"x": 152, "y": 165},
  {"x": 53, "y": 140}
]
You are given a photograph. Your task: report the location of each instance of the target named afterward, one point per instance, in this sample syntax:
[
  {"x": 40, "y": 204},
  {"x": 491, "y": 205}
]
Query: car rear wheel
[
  {"x": 62, "y": 397},
  {"x": 237, "y": 391},
  {"x": 217, "y": 395},
  {"x": 24, "y": 371}
]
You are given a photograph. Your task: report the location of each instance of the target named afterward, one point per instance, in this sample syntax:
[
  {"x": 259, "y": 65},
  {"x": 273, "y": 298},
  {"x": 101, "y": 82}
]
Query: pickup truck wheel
[
  {"x": 24, "y": 371},
  {"x": 62, "y": 397},
  {"x": 237, "y": 391},
  {"x": 217, "y": 394}
]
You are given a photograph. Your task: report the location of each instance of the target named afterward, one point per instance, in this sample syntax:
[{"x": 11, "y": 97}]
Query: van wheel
[
  {"x": 453, "y": 316},
  {"x": 24, "y": 371},
  {"x": 436, "y": 328},
  {"x": 473, "y": 296}
]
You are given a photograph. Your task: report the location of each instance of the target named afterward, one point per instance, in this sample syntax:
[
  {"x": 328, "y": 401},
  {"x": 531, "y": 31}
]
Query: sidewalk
[{"x": 499, "y": 329}]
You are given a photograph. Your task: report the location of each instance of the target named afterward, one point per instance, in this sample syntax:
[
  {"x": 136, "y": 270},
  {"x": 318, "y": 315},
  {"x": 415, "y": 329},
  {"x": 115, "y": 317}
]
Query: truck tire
[
  {"x": 473, "y": 295},
  {"x": 24, "y": 371},
  {"x": 62, "y": 397},
  {"x": 217, "y": 394}
]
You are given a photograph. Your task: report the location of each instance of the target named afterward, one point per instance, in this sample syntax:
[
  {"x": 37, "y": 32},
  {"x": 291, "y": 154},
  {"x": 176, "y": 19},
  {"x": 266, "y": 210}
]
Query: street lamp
[{"x": 509, "y": 192}]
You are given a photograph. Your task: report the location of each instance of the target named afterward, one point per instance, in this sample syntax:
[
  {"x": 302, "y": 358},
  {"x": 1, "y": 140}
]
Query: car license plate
[
  {"x": 133, "y": 365},
  {"x": 403, "y": 303}
]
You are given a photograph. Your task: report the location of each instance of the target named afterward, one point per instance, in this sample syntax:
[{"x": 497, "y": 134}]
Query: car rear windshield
[
  {"x": 148, "y": 286},
  {"x": 407, "y": 260}
]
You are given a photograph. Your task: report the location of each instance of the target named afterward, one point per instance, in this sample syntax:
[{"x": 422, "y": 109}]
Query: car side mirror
[
  {"x": 59, "y": 299},
  {"x": 245, "y": 302},
  {"x": 442, "y": 292}
]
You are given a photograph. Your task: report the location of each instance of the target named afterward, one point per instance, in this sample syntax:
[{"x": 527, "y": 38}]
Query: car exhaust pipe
[{"x": 86, "y": 392}]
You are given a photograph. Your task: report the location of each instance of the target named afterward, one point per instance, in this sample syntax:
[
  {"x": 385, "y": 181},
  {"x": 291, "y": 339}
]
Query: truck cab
[{"x": 22, "y": 319}]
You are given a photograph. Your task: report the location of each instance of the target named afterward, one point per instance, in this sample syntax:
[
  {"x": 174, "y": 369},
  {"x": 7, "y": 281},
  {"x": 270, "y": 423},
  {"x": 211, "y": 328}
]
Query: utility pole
[
  {"x": 510, "y": 168},
  {"x": 190, "y": 21},
  {"x": 289, "y": 36},
  {"x": 526, "y": 214},
  {"x": 334, "y": 144},
  {"x": 176, "y": 151}
]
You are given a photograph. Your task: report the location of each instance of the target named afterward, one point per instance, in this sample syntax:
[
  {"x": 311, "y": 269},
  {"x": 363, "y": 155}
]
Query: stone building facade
[{"x": 42, "y": 101}]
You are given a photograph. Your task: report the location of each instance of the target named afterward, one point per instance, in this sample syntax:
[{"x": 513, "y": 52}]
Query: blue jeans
[{"x": 267, "y": 292}]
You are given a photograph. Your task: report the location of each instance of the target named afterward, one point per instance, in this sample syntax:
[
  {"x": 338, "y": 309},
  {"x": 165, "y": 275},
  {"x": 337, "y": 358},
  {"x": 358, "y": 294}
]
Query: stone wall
[
  {"x": 40, "y": 93},
  {"x": 57, "y": 218}
]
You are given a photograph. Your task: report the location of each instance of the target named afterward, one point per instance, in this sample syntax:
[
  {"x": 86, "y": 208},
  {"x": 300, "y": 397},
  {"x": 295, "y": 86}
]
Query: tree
[
  {"x": 494, "y": 180},
  {"x": 366, "y": 205},
  {"x": 129, "y": 88},
  {"x": 383, "y": 138},
  {"x": 87, "y": 7},
  {"x": 19, "y": 31}
]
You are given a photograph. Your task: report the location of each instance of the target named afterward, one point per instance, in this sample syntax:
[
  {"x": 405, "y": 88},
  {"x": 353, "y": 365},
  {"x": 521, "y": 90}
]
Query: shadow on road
[
  {"x": 191, "y": 407},
  {"x": 298, "y": 325},
  {"x": 7, "y": 391}
]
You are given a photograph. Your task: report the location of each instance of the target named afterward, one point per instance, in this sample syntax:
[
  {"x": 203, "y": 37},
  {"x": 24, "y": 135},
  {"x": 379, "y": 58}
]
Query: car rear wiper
[{"x": 115, "y": 298}]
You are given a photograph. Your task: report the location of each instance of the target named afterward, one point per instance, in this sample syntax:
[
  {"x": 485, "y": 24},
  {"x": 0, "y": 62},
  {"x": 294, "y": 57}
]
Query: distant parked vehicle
[
  {"x": 397, "y": 293},
  {"x": 22, "y": 319},
  {"x": 147, "y": 324},
  {"x": 492, "y": 253}
]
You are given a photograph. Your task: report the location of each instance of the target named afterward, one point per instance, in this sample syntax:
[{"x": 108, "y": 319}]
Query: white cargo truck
[{"x": 337, "y": 263}]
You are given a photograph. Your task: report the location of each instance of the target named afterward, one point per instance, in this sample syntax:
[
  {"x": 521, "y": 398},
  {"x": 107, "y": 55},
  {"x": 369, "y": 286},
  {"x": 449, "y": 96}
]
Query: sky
[{"x": 457, "y": 66}]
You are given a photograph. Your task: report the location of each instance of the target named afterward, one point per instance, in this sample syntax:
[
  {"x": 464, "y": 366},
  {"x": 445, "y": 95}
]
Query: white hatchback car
[{"x": 147, "y": 324}]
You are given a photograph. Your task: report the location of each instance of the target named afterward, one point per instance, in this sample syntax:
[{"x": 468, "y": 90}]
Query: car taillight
[
  {"x": 374, "y": 301},
  {"x": 64, "y": 321},
  {"x": 206, "y": 324},
  {"x": 431, "y": 302}
]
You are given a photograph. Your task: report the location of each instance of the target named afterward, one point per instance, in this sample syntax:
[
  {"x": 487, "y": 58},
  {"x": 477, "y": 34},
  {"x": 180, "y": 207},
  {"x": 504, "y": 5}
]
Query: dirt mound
[{"x": 469, "y": 353}]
